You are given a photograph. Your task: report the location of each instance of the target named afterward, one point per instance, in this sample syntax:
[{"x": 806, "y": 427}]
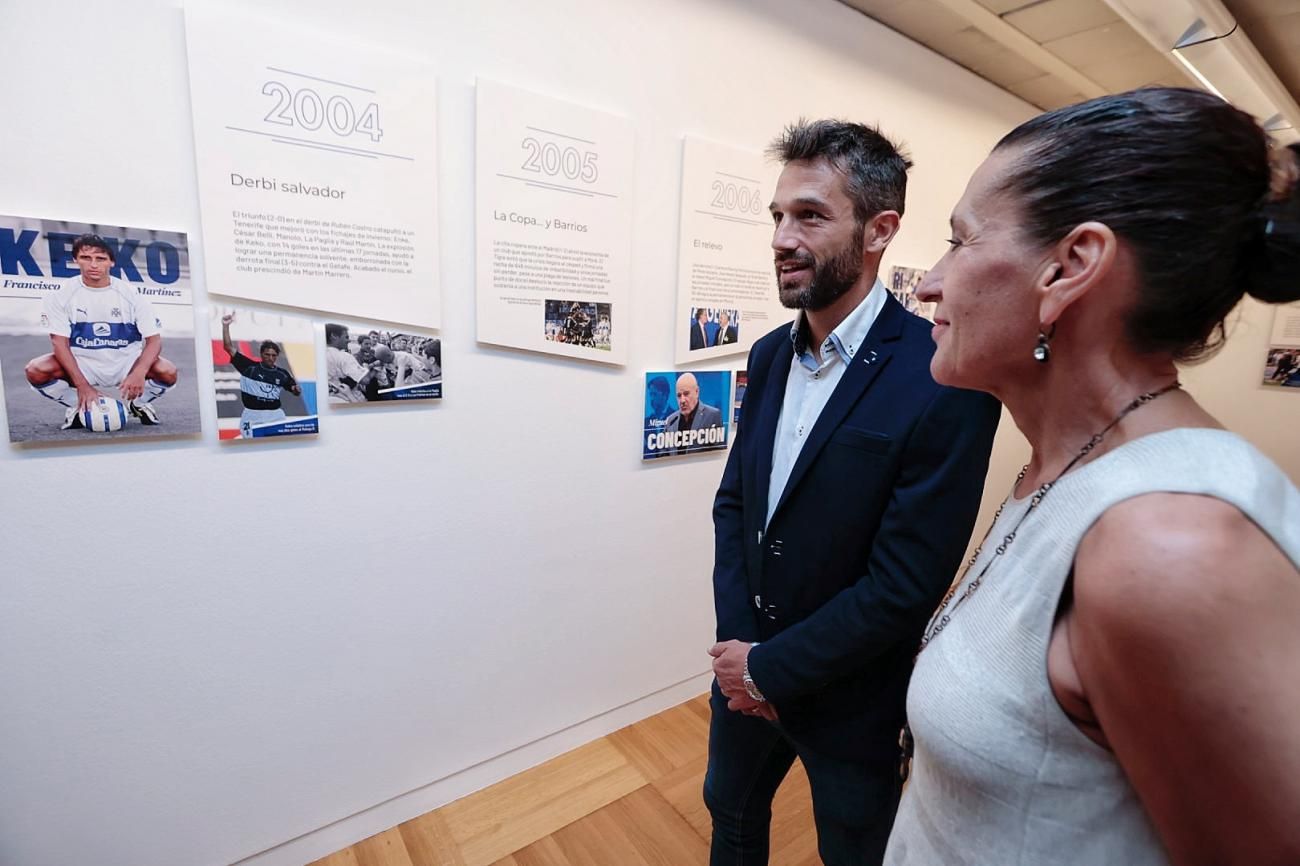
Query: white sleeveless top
[{"x": 1001, "y": 777}]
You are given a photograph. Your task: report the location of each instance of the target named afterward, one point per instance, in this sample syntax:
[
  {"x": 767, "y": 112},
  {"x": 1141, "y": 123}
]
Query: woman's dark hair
[{"x": 1184, "y": 178}]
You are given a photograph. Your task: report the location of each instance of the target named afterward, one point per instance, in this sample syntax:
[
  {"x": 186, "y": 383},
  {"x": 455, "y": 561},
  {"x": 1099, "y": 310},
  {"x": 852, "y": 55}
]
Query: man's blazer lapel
[
  {"x": 764, "y": 429},
  {"x": 871, "y": 358}
]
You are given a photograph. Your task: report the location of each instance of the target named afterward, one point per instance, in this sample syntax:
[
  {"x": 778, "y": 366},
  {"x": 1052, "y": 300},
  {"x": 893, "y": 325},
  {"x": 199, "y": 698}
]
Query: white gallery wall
[{"x": 212, "y": 654}]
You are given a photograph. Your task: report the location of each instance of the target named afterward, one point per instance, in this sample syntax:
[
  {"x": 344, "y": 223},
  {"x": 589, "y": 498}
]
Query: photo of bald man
[
  {"x": 682, "y": 414},
  {"x": 692, "y": 415}
]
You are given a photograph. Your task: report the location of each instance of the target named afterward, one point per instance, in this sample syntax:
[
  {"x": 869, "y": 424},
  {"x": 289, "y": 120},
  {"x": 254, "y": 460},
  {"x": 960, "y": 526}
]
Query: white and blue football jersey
[{"x": 105, "y": 327}]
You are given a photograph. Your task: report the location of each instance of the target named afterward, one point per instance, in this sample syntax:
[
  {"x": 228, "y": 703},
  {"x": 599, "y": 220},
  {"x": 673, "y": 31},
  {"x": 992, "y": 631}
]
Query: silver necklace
[{"x": 942, "y": 615}]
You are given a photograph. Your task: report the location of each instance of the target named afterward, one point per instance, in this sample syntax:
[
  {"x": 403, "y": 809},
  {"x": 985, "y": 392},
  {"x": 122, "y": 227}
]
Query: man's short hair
[
  {"x": 268, "y": 344},
  {"x": 658, "y": 383},
  {"x": 334, "y": 331},
  {"x": 94, "y": 242},
  {"x": 874, "y": 168}
]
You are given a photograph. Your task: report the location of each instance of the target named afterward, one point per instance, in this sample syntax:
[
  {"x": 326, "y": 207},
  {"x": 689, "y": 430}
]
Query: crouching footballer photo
[{"x": 96, "y": 332}]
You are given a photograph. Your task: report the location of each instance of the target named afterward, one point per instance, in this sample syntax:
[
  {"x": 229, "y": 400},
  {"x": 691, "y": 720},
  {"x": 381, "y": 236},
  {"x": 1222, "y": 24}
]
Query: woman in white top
[{"x": 1116, "y": 677}]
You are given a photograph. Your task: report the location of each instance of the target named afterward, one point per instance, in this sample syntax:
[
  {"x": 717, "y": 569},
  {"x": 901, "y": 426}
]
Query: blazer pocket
[{"x": 866, "y": 440}]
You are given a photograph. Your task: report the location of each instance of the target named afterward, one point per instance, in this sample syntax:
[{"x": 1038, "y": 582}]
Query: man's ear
[
  {"x": 1079, "y": 262},
  {"x": 879, "y": 231}
]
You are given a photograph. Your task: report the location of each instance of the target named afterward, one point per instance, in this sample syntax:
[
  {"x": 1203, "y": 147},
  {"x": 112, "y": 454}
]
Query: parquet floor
[{"x": 627, "y": 799}]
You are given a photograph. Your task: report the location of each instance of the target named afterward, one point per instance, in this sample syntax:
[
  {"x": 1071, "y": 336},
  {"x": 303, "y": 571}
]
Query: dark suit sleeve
[
  {"x": 730, "y": 583},
  {"x": 917, "y": 550}
]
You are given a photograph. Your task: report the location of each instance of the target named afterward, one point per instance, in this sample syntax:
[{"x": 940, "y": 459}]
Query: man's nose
[{"x": 783, "y": 238}]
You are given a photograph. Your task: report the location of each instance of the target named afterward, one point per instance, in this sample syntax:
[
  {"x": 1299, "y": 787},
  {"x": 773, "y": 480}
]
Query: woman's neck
[{"x": 1062, "y": 406}]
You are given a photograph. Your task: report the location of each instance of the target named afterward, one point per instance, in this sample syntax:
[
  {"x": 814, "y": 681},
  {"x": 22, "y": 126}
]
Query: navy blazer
[{"x": 864, "y": 541}]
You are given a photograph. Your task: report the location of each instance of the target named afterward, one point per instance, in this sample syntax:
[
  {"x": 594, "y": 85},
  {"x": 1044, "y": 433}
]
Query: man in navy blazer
[
  {"x": 843, "y": 513},
  {"x": 699, "y": 330}
]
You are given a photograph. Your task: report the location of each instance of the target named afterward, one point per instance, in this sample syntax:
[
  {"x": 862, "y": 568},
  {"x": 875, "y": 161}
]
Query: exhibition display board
[
  {"x": 317, "y": 168},
  {"x": 553, "y": 191},
  {"x": 726, "y": 285}
]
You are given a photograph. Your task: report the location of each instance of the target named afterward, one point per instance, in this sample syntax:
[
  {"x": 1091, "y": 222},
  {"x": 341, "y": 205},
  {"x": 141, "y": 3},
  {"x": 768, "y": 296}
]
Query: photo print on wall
[
  {"x": 579, "y": 323},
  {"x": 264, "y": 373},
  {"x": 374, "y": 365},
  {"x": 711, "y": 327},
  {"x": 742, "y": 382},
  {"x": 685, "y": 413},
  {"x": 96, "y": 332},
  {"x": 902, "y": 285}
]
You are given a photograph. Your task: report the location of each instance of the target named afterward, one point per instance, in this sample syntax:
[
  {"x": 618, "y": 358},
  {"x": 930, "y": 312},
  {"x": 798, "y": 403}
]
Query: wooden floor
[{"x": 630, "y": 798}]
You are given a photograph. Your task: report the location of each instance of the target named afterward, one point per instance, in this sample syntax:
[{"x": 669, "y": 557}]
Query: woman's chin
[{"x": 944, "y": 372}]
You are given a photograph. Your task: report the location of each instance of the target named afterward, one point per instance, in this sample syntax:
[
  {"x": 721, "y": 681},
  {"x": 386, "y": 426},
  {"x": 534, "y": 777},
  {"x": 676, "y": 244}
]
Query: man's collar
[{"x": 850, "y": 334}]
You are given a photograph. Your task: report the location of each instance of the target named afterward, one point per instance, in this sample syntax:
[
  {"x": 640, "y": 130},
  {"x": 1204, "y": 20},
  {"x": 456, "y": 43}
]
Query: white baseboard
[{"x": 347, "y": 831}]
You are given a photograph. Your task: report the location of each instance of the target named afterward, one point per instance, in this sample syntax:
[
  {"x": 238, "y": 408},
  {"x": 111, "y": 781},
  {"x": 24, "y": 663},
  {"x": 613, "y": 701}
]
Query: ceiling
[{"x": 1055, "y": 52}]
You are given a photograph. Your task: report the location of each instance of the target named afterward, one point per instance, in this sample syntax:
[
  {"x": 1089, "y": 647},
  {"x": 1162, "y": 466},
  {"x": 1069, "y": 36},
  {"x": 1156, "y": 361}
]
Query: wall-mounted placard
[
  {"x": 316, "y": 168},
  {"x": 554, "y": 225},
  {"x": 726, "y": 286}
]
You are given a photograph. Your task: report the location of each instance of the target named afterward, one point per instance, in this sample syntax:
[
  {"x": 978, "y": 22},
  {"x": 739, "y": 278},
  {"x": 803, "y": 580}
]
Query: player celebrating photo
[
  {"x": 105, "y": 336},
  {"x": 260, "y": 383}
]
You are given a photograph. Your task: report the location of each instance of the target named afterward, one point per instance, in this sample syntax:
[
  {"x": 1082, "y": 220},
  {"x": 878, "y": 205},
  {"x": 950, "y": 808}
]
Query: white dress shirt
[{"x": 810, "y": 385}]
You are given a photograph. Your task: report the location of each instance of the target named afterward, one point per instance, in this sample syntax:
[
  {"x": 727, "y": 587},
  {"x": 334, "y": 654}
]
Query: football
[{"x": 104, "y": 415}]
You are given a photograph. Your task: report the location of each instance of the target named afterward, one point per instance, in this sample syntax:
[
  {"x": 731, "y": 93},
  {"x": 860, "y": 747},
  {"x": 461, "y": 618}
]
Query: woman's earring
[{"x": 1043, "y": 351}]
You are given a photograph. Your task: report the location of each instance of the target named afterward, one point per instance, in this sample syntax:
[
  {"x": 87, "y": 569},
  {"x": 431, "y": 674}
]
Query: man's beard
[{"x": 830, "y": 279}]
